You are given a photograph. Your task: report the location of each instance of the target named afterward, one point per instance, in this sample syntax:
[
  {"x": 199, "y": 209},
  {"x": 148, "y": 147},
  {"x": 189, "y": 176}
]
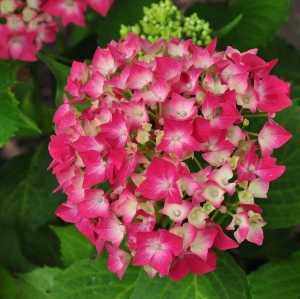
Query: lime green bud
[{"x": 165, "y": 20}]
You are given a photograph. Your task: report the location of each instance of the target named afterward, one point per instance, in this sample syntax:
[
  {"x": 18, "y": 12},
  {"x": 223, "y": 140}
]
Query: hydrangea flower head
[
  {"x": 28, "y": 25},
  {"x": 25, "y": 30},
  {"x": 162, "y": 152}
]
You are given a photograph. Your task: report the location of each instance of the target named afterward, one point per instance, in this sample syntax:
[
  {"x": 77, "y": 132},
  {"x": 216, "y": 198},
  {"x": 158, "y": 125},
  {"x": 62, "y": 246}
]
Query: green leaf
[
  {"x": 282, "y": 208},
  {"x": 9, "y": 116},
  {"x": 60, "y": 72},
  {"x": 261, "y": 20},
  {"x": 74, "y": 246},
  {"x": 11, "y": 254},
  {"x": 217, "y": 14},
  {"x": 8, "y": 73},
  {"x": 8, "y": 287},
  {"x": 13, "y": 122},
  {"x": 228, "y": 281},
  {"x": 41, "y": 246},
  {"x": 108, "y": 28},
  {"x": 27, "y": 127},
  {"x": 26, "y": 191},
  {"x": 277, "y": 280},
  {"x": 273, "y": 248},
  {"x": 33, "y": 106},
  {"x": 79, "y": 34},
  {"x": 37, "y": 284},
  {"x": 229, "y": 27},
  {"x": 289, "y": 59},
  {"x": 22, "y": 250},
  {"x": 90, "y": 279}
]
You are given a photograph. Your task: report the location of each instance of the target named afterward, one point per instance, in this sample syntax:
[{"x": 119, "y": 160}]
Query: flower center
[
  {"x": 177, "y": 213},
  {"x": 157, "y": 246},
  {"x": 182, "y": 113},
  {"x": 69, "y": 3},
  {"x": 7, "y": 6}
]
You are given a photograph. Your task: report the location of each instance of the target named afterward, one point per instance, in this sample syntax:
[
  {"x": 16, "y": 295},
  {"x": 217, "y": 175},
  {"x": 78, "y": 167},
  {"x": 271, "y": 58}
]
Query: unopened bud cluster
[{"x": 164, "y": 20}]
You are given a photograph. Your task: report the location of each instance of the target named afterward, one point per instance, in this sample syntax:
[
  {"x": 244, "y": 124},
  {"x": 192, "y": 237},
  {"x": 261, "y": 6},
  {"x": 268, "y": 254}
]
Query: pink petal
[
  {"x": 104, "y": 62},
  {"x": 125, "y": 206},
  {"x": 110, "y": 229},
  {"x": 222, "y": 241},
  {"x": 213, "y": 193},
  {"x": 272, "y": 136},
  {"x": 94, "y": 205},
  {"x": 168, "y": 68},
  {"x": 94, "y": 87},
  {"x": 267, "y": 169},
  {"x": 68, "y": 212},
  {"x": 118, "y": 261},
  {"x": 273, "y": 94},
  {"x": 259, "y": 188},
  {"x": 69, "y": 12},
  {"x": 161, "y": 262},
  {"x": 176, "y": 212},
  {"x": 95, "y": 173},
  {"x": 139, "y": 77},
  {"x": 178, "y": 139},
  {"x": 101, "y": 6},
  {"x": 179, "y": 108},
  {"x": 174, "y": 243},
  {"x": 88, "y": 143},
  {"x": 203, "y": 242},
  {"x": 255, "y": 234}
]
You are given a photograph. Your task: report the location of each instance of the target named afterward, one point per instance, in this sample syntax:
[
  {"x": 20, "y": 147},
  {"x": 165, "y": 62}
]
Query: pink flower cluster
[
  {"x": 31, "y": 23},
  {"x": 153, "y": 152}
]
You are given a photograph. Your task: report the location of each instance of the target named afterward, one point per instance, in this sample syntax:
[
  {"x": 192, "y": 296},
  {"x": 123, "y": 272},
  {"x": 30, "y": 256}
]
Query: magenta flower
[
  {"x": 178, "y": 139},
  {"x": 31, "y": 24},
  {"x": 101, "y": 6},
  {"x": 160, "y": 156},
  {"x": 272, "y": 136},
  {"x": 160, "y": 182},
  {"x": 70, "y": 11},
  {"x": 157, "y": 249}
]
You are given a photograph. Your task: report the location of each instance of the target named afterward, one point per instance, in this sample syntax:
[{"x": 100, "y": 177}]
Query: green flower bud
[{"x": 165, "y": 20}]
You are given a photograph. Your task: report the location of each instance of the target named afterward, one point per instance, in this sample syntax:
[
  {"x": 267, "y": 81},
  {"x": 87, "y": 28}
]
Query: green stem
[
  {"x": 216, "y": 212},
  {"x": 152, "y": 114},
  {"x": 255, "y": 115},
  {"x": 197, "y": 162},
  {"x": 252, "y": 133}
]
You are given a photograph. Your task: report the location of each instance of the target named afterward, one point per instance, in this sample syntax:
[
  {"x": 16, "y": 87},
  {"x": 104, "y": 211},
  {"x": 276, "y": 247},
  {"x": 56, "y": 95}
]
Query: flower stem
[
  {"x": 252, "y": 133},
  {"x": 197, "y": 162},
  {"x": 255, "y": 115},
  {"x": 152, "y": 114}
]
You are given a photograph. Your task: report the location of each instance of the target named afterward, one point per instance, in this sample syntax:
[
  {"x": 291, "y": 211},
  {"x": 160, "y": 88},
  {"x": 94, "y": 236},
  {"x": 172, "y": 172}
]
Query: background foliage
[{"x": 42, "y": 258}]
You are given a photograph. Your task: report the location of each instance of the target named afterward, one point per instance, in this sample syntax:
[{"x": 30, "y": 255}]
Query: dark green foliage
[{"x": 26, "y": 191}]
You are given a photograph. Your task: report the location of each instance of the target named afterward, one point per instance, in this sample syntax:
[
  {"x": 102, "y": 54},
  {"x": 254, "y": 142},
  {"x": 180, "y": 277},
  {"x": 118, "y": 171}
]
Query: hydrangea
[
  {"x": 154, "y": 151},
  {"x": 165, "y": 20},
  {"x": 30, "y": 24}
]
